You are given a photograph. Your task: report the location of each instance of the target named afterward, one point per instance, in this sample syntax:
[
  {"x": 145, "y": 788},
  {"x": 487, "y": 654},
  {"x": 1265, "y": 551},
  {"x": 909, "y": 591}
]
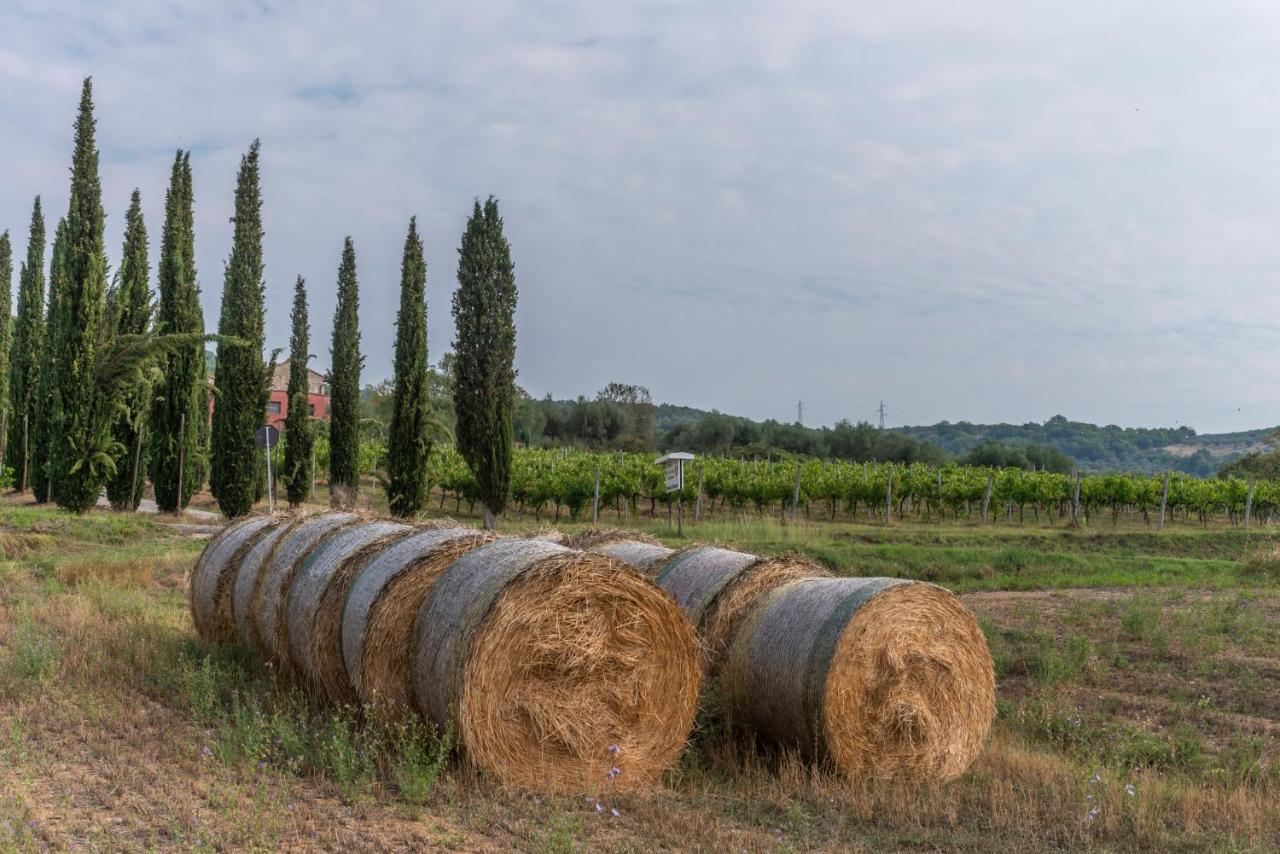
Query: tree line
[{"x": 103, "y": 383}]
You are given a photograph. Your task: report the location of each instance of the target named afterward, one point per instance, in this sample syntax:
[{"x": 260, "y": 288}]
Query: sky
[{"x": 997, "y": 210}]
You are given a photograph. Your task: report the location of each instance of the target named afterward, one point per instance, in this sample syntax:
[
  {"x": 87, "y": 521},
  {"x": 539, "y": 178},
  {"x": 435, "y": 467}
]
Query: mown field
[{"x": 1138, "y": 684}]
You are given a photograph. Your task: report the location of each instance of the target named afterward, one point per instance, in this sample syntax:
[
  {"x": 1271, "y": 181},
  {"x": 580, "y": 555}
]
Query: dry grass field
[{"x": 1138, "y": 685}]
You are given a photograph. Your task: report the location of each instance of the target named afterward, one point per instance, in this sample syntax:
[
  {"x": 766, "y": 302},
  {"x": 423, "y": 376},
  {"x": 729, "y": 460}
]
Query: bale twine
[
  {"x": 591, "y": 539},
  {"x": 211, "y": 579},
  {"x": 717, "y": 587},
  {"x": 378, "y": 618},
  {"x": 313, "y": 606},
  {"x": 249, "y": 575},
  {"x": 554, "y": 667},
  {"x": 646, "y": 557},
  {"x": 268, "y": 602},
  {"x": 884, "y": 676}
]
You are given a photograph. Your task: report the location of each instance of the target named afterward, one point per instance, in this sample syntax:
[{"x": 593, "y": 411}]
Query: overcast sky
[{"x": 996, "y": 210}]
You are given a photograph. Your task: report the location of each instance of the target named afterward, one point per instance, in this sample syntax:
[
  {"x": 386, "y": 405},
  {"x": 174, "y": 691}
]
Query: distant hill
[
  {"x": 1104, "y": 449},
  {"x": 1094, "y": 448}
]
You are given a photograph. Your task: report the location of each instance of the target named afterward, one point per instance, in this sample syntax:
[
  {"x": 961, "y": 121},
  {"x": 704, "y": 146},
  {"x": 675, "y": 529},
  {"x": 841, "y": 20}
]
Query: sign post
[
  {"x": 673, "y": 468},
  {"x": 267, "y": 438}
]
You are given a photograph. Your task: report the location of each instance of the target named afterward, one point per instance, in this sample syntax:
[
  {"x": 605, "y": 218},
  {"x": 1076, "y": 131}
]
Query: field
[{"x": 1138, "y": 683}]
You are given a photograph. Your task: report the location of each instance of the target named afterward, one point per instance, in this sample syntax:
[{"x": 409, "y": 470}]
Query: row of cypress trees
[{"x": 101, "y": 391}]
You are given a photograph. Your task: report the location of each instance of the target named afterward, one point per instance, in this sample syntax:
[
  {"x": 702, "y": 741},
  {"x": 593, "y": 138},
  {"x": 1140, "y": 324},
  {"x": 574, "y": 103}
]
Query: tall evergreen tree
[
  {"x": 81, "y": 454},
  {"x": 28, "y": 337},
  {"x": 484, "y": 355},
  {"x": 6, "y": 285},
  {"x": 131, "y": 315},
  {"x": 344, "y": 383},
  {"x": 241, "y": 400},
  {"x": 410, "y": 442},
  {"x": 48, "y": 420},
  {"x": 299, "y": 436},
  {"x": 179, "y": 413},
  {"x": 6, "y": 317}
]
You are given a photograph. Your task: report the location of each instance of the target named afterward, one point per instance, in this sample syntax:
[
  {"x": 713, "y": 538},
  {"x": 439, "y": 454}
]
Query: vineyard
[{"x": 558, "y": 483}]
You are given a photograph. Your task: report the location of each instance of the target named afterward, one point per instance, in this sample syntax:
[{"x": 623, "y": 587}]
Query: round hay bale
[
  {"x": 378, "y": 618},
  {"x": 268, "y": 602},
  {"x": 249, "y": 576},
  {"x": 211, "y": 579},
  {"x": 553, "y": 667},
  {"x": 546, "y": 535},
  {"x": 717, "y": 587},
  {"x": 646, "y": 557},
  {"x": 591, "y": 539},
  {"x": 886, "y": 677},
  {"x": 313, "y": 606}
]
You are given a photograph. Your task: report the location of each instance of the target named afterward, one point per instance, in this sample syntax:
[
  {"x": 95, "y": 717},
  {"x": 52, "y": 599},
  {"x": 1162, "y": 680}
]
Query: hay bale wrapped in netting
[
  {"x": 591, "y": 539},
  {"x": 249, "y": 576},
  {"x": 885, "y": 677},
  {"x": 212, "y": 577},
  {"x": 552, "y": 667},
  {"x": 546, "y": 535},
  {"x": 644, "y": 556},
  {"x": 378, "y": 618},
  {"x": 717, "y": 587},
  {"x": 313, "y": 606},
  {"x": 267, "y": 607}
]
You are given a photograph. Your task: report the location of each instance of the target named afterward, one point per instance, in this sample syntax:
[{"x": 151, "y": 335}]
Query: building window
[
  {"x": 311, "y": 409},
  {"x": 273, "y": 407}
]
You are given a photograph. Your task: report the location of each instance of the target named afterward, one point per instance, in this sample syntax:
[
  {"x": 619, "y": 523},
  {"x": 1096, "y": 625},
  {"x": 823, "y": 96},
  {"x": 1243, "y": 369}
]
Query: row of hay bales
[
  {"x": 554, "y": 669},
  {"x": 883, "y": 676},
  {"x": 557, "y": 665}
]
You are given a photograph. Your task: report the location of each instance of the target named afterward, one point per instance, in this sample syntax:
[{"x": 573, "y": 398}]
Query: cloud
[{"x": 999, "y": 210}]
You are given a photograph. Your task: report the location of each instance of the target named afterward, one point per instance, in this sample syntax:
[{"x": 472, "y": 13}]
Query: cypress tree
[
  {"x": 179, "y": 412},
  {"x": 299, "y": 437},
  {"x": 241, "y": 401},
  {"x": 131, "y": 315},
  {"x": 48, "y": 420},
  {"x": 344, "y": 383},
  {"x": 409, "y": 444},
  {"x": 28, "y": 337},
  {"x": 6, "y": 312},
  {"x": 82, "y": 450},
  {"x": 484, "y": 355}
]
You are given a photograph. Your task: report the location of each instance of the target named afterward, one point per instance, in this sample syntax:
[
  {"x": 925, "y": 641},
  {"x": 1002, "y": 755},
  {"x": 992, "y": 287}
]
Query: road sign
[{"x": 267, "y": 436}]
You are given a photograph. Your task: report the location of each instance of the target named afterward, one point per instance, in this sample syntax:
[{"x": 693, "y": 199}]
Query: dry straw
[
  {"x": 546, "y": 535},
  {"x": 591, "y": 539},
  {"x": 313, "y": 606},
  {"x": 249, "y": 576},
  {"x": 555, "y": 667},
  {"x": 213, "y": 575},
  {"x": 886, "y": 677},
  {"x": 267, "y": 606},
  {"x": 378, "y": 618},
  {"x": 717, "y": 587}
]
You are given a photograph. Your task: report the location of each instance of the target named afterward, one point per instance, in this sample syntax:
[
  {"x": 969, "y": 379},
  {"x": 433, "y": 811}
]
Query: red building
[{"x": 278, "y": 402}]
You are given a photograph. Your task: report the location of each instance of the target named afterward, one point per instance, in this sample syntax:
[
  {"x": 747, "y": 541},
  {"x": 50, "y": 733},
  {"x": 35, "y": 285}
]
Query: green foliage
[
  {"x": 6, "y": 291},
  {"x": 299, "y": 435},
  {"x": 48, "y": 401},
  {"x": 410, "y": 439},
  {"x": 28, "y": 338},
  {"x": 242, "y": 376},
  {"x": 82, "y": 451},
  {"x": 179, "y": 409},
  {"x": 344, "y": 381},
  {"x": 131, "y": 317},
  {"x": 484, "y": 351}
]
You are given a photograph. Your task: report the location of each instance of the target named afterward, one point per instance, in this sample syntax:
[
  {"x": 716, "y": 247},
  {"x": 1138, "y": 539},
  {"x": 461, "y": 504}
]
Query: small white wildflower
[
  {"x": 1129, "y": 790},
  {"x": 614, "y": 812},
  {"x": 599, "y": 807}
]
